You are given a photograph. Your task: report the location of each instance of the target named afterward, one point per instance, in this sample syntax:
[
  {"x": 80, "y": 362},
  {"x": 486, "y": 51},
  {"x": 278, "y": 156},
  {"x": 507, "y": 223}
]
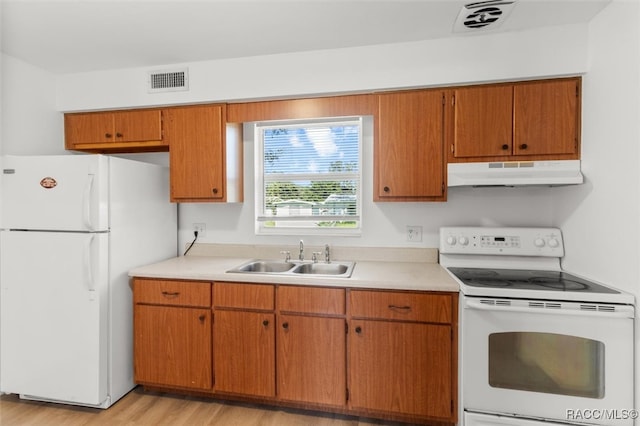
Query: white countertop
[{"x": 392, "y": 275}]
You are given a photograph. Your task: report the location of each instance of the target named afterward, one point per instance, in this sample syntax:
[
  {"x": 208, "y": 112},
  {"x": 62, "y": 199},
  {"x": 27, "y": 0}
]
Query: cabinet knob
[
  {"x": 285, "y": 325},
  {"x": 358, "y": 329},
  {"x": 386, "y": 189},
  {"x": 118, "y": 135},
  {"x": 524, "y": 146},
  {"x": 505, "y": 147},
  {"x": 202, "y": 318},
  {"x": 214, "y": 190},
  {"x": 265, "y": 323},
  {"x": 108, "y": 135}
]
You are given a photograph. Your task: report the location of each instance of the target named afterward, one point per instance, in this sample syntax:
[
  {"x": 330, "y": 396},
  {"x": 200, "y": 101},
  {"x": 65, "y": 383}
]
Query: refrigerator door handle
[
  {"x": 88, "y": 267},
  {"x": 88, "y": 189}
]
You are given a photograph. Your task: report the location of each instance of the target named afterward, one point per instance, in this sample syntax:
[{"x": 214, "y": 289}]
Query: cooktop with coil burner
[{"x": 528, "y": 280}]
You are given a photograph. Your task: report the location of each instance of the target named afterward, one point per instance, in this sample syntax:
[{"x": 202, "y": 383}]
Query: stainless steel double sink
[{"x": 280, "y": 267}]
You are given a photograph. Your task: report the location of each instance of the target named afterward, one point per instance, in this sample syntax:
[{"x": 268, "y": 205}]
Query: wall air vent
[
  {"x": 486, "y": 14},
  {"x": 168, "y": 80}
]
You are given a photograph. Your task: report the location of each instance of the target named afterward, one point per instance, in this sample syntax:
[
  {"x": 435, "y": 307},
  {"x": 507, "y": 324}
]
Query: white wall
[
  {"x": 30, "y": 122},
  {"x": 464, "y": 59},
  {"x": 601, "y": 219}
]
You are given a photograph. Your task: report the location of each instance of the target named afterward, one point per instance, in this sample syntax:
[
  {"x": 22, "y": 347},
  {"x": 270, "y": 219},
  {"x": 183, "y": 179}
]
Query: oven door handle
[{"x": 477, "y": 304}]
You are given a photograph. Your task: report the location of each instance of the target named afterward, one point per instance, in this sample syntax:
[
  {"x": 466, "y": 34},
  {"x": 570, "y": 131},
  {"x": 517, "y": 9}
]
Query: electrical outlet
[
  {"x": 201, "y": 228},
  {"x": 414, "y": 233}
]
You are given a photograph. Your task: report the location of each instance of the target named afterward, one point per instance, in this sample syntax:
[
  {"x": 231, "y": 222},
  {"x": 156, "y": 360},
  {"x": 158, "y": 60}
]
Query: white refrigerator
[{"x": 72, "y": 226}]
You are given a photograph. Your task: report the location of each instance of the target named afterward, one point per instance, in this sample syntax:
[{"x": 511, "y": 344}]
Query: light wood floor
[{"x": 149, "y": 408}]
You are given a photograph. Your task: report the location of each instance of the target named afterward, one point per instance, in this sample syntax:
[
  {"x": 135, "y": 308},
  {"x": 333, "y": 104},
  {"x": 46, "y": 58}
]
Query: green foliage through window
[{"x": 308, "y": 174}]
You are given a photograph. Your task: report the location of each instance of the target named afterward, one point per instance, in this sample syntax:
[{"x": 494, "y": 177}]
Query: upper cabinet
[
  {"x": 205, "y": 156},
  {"x": 516, "y": 121},
  {"x": 409, "y": 160},
  {"x": 115, "y": 131}
]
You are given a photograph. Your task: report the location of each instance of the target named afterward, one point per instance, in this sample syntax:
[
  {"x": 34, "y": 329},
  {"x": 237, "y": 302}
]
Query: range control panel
[{"x": 501, "y": 241}]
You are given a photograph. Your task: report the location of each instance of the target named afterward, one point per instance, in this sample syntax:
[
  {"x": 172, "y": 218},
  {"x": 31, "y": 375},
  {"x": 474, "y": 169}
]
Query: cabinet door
[
  {"x": 88, "y": 128},
  {"x": 137, "y": 126},
  {"x": 312, "y": 360},
  {"x": 482, "y": 121},
  {"x": 409, "y": 152},
  {"x": 399, "y": 367},
  {"x": 196, "y": 152},
  {"x": 546, "y": 117},
  {"x": 244, "y": 353},
  {"x": 172, "y": 346}
]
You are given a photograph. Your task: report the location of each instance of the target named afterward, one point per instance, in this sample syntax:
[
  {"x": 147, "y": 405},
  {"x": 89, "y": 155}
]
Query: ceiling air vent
[
  {"x": 486, "y": 14},
  {"x": 169, "y": 81}
]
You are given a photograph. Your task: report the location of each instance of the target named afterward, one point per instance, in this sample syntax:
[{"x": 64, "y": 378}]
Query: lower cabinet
[
  {"x": 373, "y": 353},
  {"x": 311, "y": 348},
  {"x": 244, "y": 353},
  {"x": 172, "y": 334},
  {"x": 244, "y": 333},
  {"x": 402, "y": 353},
  {"x": 400, "y": 367}
]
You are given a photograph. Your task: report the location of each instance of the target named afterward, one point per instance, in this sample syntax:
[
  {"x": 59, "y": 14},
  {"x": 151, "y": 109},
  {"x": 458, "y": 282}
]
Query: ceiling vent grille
[
  {"x": 168, "y": 81},
  {"x": 486, "y": 14}
]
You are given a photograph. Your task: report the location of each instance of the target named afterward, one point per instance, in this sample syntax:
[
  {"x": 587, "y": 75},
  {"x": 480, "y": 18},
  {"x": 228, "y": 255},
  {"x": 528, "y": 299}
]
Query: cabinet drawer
[
  {"x": 407, "y": 306},
  {"x": 245, "y": 296},
  {"x": 313, "y": 300},
  {"x": 173, "y": 293}
]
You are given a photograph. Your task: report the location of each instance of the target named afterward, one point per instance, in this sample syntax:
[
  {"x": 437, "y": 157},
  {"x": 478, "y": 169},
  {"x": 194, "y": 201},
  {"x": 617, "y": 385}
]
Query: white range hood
[{"x": 515, "y": 173}]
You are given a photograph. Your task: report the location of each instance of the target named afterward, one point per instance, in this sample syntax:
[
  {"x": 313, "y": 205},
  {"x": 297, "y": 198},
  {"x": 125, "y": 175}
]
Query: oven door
[{"x": 557, "y": 361}]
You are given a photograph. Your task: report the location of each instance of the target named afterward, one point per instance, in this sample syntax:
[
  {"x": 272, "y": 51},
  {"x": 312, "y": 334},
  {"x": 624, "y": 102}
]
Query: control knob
[
  {"x": 451, "y": 240},
  {"x": 554, "y": 243},
  {"x": 538, "y": 242},
  {"x": 463, "y": 241}
]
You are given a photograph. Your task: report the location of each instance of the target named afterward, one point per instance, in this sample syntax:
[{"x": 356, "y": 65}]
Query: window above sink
[{"x": 308, "y": 176}]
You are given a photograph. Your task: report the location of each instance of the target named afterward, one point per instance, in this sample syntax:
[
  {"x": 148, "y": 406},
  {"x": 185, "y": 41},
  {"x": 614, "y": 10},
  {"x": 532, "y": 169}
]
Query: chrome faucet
[
  {"x": 327, "y": 256},
  {"x": 301, "y": 254}
]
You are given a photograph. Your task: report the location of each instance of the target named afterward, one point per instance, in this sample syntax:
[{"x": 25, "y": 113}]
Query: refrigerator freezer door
[
  {"x": 60, "y": 192},
  {"x": 53, "y": 316}
]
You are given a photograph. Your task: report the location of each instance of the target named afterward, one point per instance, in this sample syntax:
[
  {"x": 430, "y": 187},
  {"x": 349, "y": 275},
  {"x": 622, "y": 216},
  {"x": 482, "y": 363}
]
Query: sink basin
[
  {"x": 265, "y": 266},
  {"x": 280, "y": 267},
  {"x": 323, "y": 268}
]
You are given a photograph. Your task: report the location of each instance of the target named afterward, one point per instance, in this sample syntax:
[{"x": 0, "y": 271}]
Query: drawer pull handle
[
  {"x": 171, "y": 293},
  {"x": 402, "y": 309}
]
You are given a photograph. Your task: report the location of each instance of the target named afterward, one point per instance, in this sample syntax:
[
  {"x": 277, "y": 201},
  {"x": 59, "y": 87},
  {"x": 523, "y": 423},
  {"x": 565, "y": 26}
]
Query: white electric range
[{"x": 538, "y": 344}]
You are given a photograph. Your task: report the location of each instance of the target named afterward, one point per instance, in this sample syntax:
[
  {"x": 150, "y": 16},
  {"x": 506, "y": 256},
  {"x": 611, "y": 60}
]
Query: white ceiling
[{"x": 86, "y": 35}]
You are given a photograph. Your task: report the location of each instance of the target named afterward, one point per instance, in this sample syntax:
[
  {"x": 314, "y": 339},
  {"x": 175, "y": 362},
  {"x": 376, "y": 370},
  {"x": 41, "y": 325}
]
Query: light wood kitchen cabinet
[
  {"x": 115, "y": 131},
  {"x": 311, "y": 345},
  {"x": 402, "y": 356},
  {"x": 172, "y": 334},
  {"x": 205, "y": 154},
  {"x": 409, "y": 157},
  {"x": 516, "y": 121},
  {"x": 244, "y": 336}
]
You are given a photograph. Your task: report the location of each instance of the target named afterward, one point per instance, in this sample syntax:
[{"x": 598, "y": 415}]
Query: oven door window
[{"x": 547, "y": 363}]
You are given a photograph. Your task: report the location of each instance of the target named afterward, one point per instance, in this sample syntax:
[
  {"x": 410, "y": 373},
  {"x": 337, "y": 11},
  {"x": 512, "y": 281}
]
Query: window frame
[{"x": 259, "y": 214}]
